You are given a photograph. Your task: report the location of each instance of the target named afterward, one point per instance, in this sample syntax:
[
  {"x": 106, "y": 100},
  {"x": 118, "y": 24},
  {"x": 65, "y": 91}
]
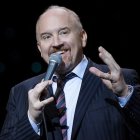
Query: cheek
[
  {"x": 67, "y": 57},
  {"x": 45, "y": 54},
  {"x": 44, "y": 49},
  {"x": 77, "y": 55}
]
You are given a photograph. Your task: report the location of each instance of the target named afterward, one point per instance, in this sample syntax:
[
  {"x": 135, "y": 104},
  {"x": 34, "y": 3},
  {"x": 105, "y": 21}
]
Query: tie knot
[
  {"x": 69, "y": 76},
  {"x": 64, "y": 78}
]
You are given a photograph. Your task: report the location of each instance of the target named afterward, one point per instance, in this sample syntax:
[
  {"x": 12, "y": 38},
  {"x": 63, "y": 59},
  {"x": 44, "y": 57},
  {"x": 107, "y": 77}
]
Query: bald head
[{"x": 52, "y": 10}]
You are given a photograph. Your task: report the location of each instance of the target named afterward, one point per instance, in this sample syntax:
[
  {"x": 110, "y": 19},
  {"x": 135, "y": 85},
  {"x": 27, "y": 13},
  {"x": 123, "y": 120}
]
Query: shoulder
[
  {"x": 30, "y": 82},
  {"x": 20, "y": 90},
  {"x": 105, "y": 68},
  {"x": 131, "y": 76}
]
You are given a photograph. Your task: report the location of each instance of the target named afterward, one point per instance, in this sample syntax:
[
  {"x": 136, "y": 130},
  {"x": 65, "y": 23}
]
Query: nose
[{"x": 57, "y": 43}]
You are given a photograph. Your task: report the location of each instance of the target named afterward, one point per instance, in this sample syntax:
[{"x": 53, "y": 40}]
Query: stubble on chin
[{"x": 64, "y": 69}]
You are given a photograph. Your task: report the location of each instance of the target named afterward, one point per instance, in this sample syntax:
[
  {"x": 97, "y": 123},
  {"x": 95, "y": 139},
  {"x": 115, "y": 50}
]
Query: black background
[{"x": 112, "y": 24}]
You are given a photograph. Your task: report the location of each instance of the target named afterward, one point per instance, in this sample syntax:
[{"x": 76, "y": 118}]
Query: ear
[
  {"x": 84, "y": 38},
  {"x": 39, "y": 48}
]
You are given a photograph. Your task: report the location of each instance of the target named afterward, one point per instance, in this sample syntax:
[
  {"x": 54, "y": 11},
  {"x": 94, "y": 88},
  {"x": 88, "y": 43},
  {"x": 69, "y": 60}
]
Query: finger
[
  {"x": 102, "y": 75},
  {"x": 47, "y": 101},
  {"x": 107, "y": 83},
  {"x": 37, "y": 90},
  {"x": 95, "y": 71},
  {"x": 108, "y": 59}
]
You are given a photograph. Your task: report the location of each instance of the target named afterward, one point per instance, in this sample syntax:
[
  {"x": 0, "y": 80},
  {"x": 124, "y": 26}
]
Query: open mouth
[{"x": 61, "y": 51}]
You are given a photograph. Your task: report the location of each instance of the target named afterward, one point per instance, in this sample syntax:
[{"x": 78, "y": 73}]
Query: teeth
[{"x": 60, "y": 52}]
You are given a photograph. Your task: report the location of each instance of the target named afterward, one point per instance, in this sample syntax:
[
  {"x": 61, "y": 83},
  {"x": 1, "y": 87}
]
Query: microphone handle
[{"x": 51, "y": 69}]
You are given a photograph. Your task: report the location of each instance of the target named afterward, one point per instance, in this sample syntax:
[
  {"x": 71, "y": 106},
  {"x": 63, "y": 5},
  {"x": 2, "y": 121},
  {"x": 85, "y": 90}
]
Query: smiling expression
[{"x": 59, "y": 30}]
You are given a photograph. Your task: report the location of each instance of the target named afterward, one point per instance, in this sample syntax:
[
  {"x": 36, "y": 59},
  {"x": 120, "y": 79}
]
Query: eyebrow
[{"x": 44, "y": 33}]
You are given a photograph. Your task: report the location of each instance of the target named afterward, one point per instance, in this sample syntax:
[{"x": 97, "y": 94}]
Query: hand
[
  {"x": 36, "y": 106},
  {"x": 114, "y": 79}
]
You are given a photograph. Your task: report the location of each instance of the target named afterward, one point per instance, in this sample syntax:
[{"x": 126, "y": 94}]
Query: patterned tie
[{"x": 60, "y": 102}]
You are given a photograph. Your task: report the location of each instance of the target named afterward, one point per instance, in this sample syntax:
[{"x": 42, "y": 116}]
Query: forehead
[{"x": 55, "y": 18}]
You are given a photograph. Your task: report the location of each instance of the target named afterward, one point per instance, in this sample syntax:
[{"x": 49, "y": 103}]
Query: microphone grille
[{"x": 56, "y": 57}]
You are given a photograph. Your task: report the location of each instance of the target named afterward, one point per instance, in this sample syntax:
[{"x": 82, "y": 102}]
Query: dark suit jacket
[{"x": 98, "y": 115}]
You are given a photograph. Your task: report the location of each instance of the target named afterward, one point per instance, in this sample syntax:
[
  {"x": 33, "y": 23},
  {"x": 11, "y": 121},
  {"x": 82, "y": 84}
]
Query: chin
[{"x": 64, "y": 69}]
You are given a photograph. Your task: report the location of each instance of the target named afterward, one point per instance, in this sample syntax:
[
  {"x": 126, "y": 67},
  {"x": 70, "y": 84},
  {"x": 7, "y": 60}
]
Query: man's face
[{"x": 57, "y": 31}]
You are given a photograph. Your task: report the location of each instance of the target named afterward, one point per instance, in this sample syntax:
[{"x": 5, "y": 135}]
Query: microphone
[{"x": 54, "y": 61}]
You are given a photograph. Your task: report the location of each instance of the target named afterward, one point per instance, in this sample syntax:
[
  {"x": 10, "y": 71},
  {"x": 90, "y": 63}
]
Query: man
[{"x": 102, "y": 101}]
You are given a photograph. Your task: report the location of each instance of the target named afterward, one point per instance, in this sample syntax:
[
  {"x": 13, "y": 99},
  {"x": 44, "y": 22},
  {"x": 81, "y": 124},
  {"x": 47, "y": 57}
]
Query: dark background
[{"x": 112, "y": 24}]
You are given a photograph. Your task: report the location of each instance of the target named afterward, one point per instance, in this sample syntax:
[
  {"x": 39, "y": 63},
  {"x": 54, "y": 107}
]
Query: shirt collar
[{"x": 79, "y": 70}]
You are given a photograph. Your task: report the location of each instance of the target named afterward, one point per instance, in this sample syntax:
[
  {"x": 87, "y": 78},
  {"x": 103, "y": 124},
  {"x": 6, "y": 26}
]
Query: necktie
[{"x": 61, "y": 104}]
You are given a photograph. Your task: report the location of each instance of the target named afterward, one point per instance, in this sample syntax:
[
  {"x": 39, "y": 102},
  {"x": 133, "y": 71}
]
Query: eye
[
  {"x": 46, "y": 36},
  {"x": 64, "y": 32}
]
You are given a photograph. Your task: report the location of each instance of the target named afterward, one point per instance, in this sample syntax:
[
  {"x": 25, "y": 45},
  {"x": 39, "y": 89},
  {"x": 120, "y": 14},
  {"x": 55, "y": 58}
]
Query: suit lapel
[{"x": 85, "y": 98}]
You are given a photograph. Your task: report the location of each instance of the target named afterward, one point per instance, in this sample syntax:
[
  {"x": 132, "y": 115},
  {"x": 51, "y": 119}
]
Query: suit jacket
[{"x": 98, "y": 115}]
